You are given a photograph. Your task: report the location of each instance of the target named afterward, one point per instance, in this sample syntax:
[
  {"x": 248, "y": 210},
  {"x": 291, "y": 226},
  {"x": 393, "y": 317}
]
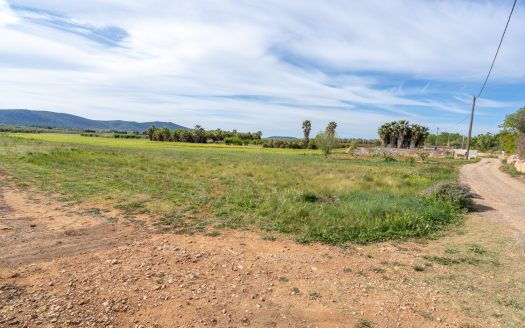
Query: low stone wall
[
  {"x": 518, "y": 163},
  {"x": 395, "y": 152}
]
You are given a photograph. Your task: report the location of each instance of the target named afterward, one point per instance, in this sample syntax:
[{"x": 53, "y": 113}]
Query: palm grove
[{"x": 402, "y": 134}]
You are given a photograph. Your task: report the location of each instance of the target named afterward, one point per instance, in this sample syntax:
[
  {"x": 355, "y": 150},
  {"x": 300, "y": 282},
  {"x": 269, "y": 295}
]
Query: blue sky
[{"x": 264, "y": 65}]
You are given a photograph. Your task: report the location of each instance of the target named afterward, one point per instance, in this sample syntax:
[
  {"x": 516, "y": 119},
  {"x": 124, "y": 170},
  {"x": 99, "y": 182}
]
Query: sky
[{"x": 265, "y": 65}]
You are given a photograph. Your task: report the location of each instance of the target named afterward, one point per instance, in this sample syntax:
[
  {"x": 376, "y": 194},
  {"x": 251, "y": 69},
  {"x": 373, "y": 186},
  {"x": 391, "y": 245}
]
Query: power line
[
  {"x": 469, "y": 140},
  {"x": 497, "y": 51},
  {"x": 458, "y": 123}
]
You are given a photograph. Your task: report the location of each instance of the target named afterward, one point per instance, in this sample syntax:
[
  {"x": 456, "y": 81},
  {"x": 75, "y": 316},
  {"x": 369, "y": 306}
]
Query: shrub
[
  {"x": 234, "y": 141},
  {"x": 326, "y": 142},
  {"x": 450, "y": 192},
  {"x": 422, "y": 155},
  {"x": 309, "y": 197}
]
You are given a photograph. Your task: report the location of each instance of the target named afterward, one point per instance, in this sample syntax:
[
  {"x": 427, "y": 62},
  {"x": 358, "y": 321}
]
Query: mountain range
[{"x": 25, "y": 117}]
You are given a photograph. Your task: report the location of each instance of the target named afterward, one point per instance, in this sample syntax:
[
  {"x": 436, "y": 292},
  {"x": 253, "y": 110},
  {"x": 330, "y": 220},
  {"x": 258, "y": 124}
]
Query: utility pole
[
  {"x": 469, "y": 140},
  {"x": 437, "y": 133}
]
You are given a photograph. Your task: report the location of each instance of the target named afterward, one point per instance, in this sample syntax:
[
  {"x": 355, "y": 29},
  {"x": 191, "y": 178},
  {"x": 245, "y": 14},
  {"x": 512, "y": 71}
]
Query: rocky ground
[{"x": 65, "y": 265}]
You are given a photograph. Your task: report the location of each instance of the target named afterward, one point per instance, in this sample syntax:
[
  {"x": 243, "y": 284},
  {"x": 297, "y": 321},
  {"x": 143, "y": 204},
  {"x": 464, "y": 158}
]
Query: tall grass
[{"x": 194, "y": 186}]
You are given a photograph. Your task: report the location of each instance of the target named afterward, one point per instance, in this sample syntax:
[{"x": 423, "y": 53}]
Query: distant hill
[
  {"x": 282, "y": 138},
  {"x": 25, "y": 117}
]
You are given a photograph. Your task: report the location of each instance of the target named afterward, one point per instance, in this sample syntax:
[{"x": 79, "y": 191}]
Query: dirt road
[
  {"x": 68, "y": 266},
  {"x": 500, "y": 195}
]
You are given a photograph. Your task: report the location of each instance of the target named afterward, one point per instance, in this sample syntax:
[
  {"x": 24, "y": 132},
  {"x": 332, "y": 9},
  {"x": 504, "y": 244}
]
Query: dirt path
[
  {"x": 500, "y": 195},
  {"x": 65, "y": 266}
]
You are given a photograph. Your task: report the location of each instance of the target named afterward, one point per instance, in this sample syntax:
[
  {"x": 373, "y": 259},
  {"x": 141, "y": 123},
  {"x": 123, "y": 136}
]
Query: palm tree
[
  {"x": 418, "y": 136},
  {"x": 199, "y": 134},
  {"x": 414, "y": 135},
  {"x": 164, "y": 134},
  {"x": 307, "y": 127},
  {"x": 402, "y": 130},
  {"x": 151, "y": 132},
  {"x": 384, "y": 133},
  {"x": 330, "y": 128},
  {"x": 394, "y": 134},
  {"x": 423, "y": 134}
]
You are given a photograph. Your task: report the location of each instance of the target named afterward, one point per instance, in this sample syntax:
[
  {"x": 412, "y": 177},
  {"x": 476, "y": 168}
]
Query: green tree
[
  {"x": 508, "y": 141},
  {"x": 485, "y": 142},
  {"x": 151, "y": 132},
  {"x": 326, "y": 142},
  {"x": 164, "y": 134},
  {"x": 515, "y": 123},
  {"x": 307, "y": 127},
  {"x": 199, "y": 134}
]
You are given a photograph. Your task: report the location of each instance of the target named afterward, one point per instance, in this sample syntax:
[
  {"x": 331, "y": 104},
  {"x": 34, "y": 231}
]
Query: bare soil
[{"x": 63, "y": 265}]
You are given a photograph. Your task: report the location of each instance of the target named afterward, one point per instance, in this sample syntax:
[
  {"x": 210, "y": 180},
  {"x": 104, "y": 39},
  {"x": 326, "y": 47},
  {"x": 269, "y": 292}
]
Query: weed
[
  {"x": 93, "y": 211},
  {"x": 112, "y": 219},
  {"x": 296, "y": 291},
  {"x": 214, "y": 233},
  {"x": 477, "y": 249},
  {"x": 451, "y": 251},
  {"x": 347, "y": 270},
  {"x": 427, "y": 315},
  {"x": 269, "y": 238},
  {"x": 451, "y": 261},
  {"x": 450, "y": 192},
  {"x": 303, "y": 240},
  {"x": 364, "y": 323},
  {"x": 310, "y": 197},
  {"x": 283, "y": 279},
  {"x": 510, "y": 302},
  {"x": 418, "y": 268},
  {"x": 510, "y": 169},
  {"x": 314, "y": 295}
]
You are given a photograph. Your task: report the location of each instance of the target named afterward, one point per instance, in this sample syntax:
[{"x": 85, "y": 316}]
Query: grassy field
[{"x": 192, "y": 187}]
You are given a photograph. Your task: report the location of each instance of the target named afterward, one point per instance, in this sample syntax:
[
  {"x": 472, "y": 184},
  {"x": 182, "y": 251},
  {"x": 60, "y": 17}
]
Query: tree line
[
  {"x": 512, "y": 137},
  {"x": 200, "y": 135}
]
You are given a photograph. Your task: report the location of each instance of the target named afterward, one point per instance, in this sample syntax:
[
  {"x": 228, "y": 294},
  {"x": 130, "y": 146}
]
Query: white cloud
[
  {"x": 186, "y": 61},
  {"x": 6, "y": 15}
]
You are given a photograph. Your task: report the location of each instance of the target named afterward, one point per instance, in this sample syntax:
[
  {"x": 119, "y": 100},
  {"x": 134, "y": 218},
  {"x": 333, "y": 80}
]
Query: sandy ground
[
  {"x": 499, "y": 193},
  {"x": 63, "y": 266}
]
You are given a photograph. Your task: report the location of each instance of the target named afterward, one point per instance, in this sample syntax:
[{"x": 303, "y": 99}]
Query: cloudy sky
[{"x": 264, "y": 65}]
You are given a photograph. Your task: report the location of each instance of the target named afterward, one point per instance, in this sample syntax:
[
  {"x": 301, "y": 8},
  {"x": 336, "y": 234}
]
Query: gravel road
[{"x": 500, "y": 196}]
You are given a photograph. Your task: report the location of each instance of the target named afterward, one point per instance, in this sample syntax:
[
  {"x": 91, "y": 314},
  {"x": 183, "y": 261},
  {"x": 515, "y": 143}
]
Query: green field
[{"x": 193, "y": 187}]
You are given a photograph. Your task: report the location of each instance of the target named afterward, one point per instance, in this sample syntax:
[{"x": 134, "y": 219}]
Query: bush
[
  {"x": 234, "y": 141},
  {"x": 326, "y": 142},
  {"x": 451, "y": 192},
  {"x": 422, "y": 155}
]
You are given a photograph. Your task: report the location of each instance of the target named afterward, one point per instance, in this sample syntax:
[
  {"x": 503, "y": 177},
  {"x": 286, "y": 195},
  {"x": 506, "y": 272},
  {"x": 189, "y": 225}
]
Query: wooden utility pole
[{"x": 470, "y": 127}]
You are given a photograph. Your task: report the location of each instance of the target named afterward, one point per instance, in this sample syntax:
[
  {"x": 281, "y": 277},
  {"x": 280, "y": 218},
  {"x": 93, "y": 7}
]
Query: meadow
[{"x": 204, "y": 187}]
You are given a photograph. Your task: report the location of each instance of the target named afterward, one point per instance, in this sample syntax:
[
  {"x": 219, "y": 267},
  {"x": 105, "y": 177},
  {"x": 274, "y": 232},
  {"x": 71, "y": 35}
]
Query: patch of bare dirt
[{"x": 60, "y": 267}]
